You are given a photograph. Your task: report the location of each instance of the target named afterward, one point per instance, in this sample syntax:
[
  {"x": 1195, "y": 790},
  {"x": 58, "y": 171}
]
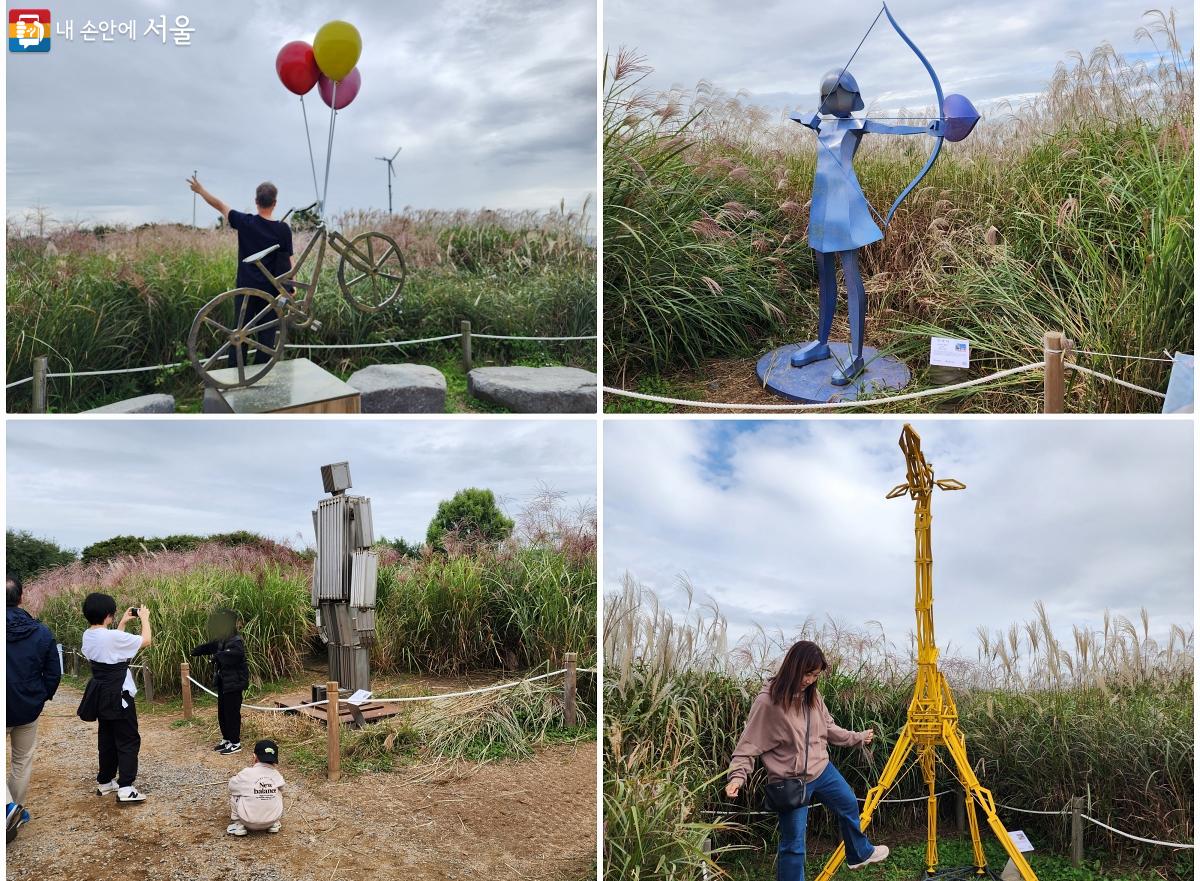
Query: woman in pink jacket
[{"x": 790, "y": 729}]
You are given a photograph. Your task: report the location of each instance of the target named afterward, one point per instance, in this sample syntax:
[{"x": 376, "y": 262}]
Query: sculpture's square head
[{"x": 336, "y": 477}]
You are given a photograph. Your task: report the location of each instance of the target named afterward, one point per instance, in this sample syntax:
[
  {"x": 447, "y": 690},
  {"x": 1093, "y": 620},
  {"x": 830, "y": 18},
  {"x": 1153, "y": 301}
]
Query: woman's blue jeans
[{"x": 831, "y": 789}]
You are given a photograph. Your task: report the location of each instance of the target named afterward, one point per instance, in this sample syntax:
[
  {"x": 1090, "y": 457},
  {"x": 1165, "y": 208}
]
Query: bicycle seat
[{"x": 261, "y": 254}]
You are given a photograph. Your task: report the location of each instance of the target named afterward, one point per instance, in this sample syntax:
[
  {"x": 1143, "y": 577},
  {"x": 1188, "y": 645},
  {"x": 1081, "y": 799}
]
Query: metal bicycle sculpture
[{"x": 371, "y": 274}]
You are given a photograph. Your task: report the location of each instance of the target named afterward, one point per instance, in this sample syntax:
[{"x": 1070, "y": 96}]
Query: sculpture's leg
[
  {"x": 976, "y": 844},
  {"x": 904, "y": 745},
  {"x": 957, "y": 745},
  {"x": 929, "y": 771},
  {"x": 818, "y": 349},
  {"x": 856, "y": 301}
]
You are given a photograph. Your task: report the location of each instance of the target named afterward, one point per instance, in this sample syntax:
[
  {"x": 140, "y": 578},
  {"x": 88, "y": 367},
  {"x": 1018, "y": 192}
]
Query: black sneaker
[
  {"x": 220, "y": 746},
  {"x": 231, "y": 748}
]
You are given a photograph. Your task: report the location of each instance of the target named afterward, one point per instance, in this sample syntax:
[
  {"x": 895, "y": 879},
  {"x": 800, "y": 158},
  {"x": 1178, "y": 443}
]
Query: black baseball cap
[{"x": 266, "y": 751}]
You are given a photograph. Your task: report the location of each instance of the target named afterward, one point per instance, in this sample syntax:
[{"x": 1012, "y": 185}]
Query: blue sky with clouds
[
  {"x": 78, "y": 481},
  {"x": 776, "y": 51},
  {"x": 493, "y": 102},
  {"x": 778, "y": 521}
]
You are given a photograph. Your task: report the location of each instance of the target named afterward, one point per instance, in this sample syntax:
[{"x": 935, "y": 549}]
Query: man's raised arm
[{"x": 208, "y": 197}]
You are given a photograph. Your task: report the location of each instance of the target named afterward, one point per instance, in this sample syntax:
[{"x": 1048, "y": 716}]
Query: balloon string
[
  {"x": 329, "y": 145},
  {"x": 311, "y": 161}
]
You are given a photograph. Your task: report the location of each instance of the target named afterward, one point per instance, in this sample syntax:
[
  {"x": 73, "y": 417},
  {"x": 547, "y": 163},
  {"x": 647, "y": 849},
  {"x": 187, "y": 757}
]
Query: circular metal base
[{"x": 811, "y": 384}]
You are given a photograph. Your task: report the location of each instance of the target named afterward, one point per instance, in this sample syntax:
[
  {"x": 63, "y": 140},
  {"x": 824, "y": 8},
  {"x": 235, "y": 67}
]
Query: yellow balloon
[{"x": 337, "y": 47}]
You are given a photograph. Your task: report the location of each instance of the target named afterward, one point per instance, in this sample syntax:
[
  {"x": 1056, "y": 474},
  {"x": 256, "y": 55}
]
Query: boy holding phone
[{"x": 109, "y": 695}]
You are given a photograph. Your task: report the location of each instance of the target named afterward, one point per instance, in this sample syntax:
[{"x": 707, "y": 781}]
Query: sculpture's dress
[{"x": 840, "y": 218}]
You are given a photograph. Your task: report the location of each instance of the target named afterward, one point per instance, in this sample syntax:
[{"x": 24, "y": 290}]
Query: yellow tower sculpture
[{"x": 932, "y": 717}]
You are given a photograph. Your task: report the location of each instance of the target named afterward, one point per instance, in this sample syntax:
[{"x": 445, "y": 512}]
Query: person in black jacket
[
  {"x": 232, "y": 676},
  {"x": 33, "y": 671}
]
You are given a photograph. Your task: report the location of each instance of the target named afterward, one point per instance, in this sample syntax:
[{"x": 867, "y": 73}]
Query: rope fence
[
  {"x": 41, "y": 374},
  {"x": 1056, "y": 348},
  {"x": 1072, "y": 809},
  {"x": 333, "y": 702}
]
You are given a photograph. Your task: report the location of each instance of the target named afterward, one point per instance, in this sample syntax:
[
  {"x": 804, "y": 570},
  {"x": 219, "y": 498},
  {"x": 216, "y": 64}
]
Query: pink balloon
[{"x": 347, "y": 89}]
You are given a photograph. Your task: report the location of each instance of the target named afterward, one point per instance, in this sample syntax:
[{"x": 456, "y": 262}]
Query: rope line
[
  {"x": 391, "y": 700},
  {"x": 1128, "y": 385},
  {"x": 1061, "y": 812},
  {"x": 391, "y": 343},
  {"x": 1123, "y": 357},
  {"x": 1012, "y": 371}
]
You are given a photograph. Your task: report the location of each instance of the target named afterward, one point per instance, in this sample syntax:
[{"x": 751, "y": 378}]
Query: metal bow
[
  {"x": 938, "y": 138},
  {"x": 941, "y": 117}
]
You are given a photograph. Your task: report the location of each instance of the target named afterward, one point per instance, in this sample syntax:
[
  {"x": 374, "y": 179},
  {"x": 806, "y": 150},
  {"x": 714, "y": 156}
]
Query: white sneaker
[
  {"x": 274, "y": 827},
  {"x": 878, "y": 855},
  {"x": 237, "y": 829},
  {"x": 129, "y": 794},
  {"x": 106, "y": 788}
]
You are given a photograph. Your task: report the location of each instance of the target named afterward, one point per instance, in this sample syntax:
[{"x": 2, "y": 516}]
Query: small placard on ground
[
  {"x": 1021, "y": 840},
  {"x": 946, "y": 352}
]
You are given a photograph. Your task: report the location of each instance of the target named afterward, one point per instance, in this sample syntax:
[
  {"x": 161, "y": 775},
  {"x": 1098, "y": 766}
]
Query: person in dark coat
[
  {"x": 231, "y": 675},
  {"x": 33, "y": 672}
]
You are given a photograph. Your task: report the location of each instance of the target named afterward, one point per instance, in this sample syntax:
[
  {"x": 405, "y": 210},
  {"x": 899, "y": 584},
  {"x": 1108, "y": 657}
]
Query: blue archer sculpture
[{"x": 840, "y": 219}]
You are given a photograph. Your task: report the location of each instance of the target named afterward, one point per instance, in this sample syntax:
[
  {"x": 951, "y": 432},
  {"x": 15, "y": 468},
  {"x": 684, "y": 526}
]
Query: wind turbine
[{"x": 391, "y": 174}]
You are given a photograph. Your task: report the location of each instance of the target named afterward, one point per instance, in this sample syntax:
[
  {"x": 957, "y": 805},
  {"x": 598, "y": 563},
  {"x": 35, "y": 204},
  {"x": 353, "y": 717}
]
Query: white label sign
[
  {"x": 359, "y": 697},
  {"x": 945, "y": 352},
  {"x": 1021, "y": 840}
]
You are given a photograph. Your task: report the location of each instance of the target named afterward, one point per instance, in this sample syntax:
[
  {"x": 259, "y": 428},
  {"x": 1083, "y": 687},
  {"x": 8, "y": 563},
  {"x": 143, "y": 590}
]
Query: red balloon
[
  {"x": 347, "y": 89},
  {"x": 297, "y": 68}
]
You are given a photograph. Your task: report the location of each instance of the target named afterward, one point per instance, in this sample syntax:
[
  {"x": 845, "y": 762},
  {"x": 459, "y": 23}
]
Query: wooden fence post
[
  {"x": 185, "y": 671},
  {"x": 41, "y": 367},
  {"x": 333, "y": 724},
  {"x": 569, "y": 691},
  {"x": 960, "y": 809},
  {"x": 1054, "y": 346},
  {"x": 1076, "y": 831},
  {"x": 465, "y": 328},
  {"x": 147, "y": 682},
  {"x": 74, "y": 662}
]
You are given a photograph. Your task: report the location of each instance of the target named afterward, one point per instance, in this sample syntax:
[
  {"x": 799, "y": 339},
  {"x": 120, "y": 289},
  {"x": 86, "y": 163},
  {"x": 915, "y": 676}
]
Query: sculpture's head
[{"x": 839, "y": 93}]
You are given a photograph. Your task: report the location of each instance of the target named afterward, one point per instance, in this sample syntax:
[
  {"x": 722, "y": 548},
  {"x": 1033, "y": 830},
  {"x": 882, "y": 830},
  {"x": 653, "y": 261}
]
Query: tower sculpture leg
[
  {"x": 956, "y": 744},
  {"x": 891, "y": 771},
  {"x": 929, "y": 772},
  {"x": 818, "y": 350},
  {"x": 856, "y": 301}
]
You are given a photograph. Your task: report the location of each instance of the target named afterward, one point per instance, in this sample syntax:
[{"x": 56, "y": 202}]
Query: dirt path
[{"x": 532, "y": 819}]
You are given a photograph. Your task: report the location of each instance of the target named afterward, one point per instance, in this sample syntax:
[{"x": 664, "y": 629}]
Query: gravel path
[{"x": 532, "y": 819}]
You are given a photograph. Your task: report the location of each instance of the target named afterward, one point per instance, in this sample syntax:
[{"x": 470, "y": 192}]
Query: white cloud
[
  {"x": 83, "y": 480},
  {"x": 781, "y": 520}
]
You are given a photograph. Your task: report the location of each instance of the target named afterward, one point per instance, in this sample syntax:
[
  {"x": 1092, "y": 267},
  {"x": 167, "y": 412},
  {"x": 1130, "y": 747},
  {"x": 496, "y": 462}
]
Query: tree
[
  {"x": 472, "y": 516},
  {"x": 26, "y": 555},
  {"x": 400, "y": 546}
]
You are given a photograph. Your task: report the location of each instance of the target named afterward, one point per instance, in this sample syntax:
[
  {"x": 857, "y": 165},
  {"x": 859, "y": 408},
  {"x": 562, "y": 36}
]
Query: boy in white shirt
[
  {"x": 256, "y": 793},
  {"x": 109, "y": 696}
]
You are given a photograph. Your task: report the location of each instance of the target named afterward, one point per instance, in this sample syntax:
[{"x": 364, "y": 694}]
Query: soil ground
[{"x": 533, "y": 819}]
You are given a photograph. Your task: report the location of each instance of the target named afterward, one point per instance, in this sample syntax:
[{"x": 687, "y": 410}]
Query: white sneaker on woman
[
  {"x": 106, "y": 788},
  {"x": 129, "y": 794},
  {"x": 236, "y": 828},
  {"x": 878, "y": 855}
]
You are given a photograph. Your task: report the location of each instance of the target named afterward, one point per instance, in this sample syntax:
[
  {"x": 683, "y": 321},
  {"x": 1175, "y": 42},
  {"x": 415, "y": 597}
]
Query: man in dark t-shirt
[{"x": 256, "y": 232}]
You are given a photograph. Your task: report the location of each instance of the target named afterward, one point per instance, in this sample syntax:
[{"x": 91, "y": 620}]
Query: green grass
[
  {"x": 115, "y": 301},
  {"x": 907, "y": 863},
  {"x": 1075, "y": 214},
  {"x": 1111, "y": 722}
]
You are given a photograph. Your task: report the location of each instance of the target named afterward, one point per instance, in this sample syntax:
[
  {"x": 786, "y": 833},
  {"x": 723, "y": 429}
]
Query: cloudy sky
[
  {"x": 778, "y": 521},
  {"x": 778, "y": 52},
  {"x": 79, "y": 481},
  {"x": 493, "y": 102}
]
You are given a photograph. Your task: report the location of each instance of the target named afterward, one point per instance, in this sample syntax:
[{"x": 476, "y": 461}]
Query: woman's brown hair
[{"x": 801, "y": 659}]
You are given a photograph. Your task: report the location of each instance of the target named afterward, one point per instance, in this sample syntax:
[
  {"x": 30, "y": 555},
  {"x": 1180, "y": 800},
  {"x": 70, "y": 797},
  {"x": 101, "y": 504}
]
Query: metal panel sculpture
[
  {"x": 841, "y": 220},
  {"x": 344, "y": 579},
  {"x": 932, "y": 722}
]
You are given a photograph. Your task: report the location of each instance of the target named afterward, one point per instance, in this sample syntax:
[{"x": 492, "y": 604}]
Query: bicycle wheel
[
  {"x": 226, "y": 334},
  {"x": 376, "y": 269}
]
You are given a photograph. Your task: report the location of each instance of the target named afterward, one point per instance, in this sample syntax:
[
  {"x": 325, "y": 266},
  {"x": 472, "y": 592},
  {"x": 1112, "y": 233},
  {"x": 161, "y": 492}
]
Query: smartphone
[{"x": 134, "y": 611}]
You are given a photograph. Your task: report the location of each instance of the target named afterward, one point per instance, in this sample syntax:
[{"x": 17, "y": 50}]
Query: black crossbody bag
[{"x": 789, "y": 793}]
